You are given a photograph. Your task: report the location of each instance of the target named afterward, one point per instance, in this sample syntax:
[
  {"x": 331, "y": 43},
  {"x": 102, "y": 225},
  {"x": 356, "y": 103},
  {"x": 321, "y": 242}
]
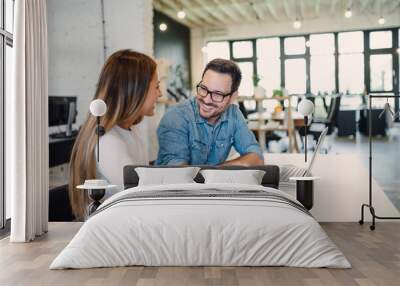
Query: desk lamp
[
  {"x": 98, "y": 108},
  {"x": 305, "y": 107}
]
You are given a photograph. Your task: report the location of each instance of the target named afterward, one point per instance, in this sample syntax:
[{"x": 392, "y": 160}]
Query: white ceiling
[{"x": 220, "y": 13}]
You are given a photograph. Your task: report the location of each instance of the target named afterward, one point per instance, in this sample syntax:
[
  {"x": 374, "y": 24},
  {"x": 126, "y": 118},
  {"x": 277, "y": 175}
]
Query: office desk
[
  {"x": 60, "y": 150},
  {"x": 59, "y": 156},
  {"x": 297, "y": 118}
]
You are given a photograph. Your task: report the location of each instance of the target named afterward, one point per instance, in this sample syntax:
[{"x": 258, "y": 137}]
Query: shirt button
[{"x": 222, "y": 145}]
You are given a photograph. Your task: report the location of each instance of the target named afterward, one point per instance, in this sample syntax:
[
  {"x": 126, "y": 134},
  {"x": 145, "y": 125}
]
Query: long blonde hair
[{"x": 123, "y": 84}]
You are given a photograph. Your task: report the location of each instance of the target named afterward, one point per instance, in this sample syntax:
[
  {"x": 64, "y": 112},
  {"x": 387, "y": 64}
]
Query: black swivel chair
[{"x": 319, "y": 124}]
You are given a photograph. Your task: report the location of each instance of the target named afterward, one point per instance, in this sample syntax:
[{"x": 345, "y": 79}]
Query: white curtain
[{"x": 27, "y": 134}]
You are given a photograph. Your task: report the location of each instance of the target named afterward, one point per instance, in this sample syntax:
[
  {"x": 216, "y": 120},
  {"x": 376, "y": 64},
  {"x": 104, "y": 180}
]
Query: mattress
[{"x": 201, "y": 225}]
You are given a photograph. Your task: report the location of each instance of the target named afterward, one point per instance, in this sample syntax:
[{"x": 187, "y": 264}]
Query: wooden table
[{"x": 297, "y": 118}]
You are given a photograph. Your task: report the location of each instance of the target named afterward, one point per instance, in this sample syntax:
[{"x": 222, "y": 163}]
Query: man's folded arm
[
  {"x": 173, "y": 141},
  {"x": 245, "y": 144}
]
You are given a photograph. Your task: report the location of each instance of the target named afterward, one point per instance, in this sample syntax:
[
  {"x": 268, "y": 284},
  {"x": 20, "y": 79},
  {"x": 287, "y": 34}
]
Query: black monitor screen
[{"x": 59, "y": 109}]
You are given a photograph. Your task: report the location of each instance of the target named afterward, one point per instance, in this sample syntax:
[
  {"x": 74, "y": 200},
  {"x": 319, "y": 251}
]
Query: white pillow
[
  {"x": 164, "y": 176},
  {"x": 248, "y": 177}
]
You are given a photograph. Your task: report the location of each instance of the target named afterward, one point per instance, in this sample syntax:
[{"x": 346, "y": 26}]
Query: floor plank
[{"x": 375, "y": 257}]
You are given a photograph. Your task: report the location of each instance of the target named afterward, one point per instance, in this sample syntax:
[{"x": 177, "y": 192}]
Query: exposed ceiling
[{"x": 219, "y": 13}]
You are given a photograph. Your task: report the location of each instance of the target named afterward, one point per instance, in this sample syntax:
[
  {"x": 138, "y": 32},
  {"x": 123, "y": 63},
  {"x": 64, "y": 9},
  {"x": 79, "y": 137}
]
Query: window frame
[
  {"x": 367, "y": 52},
  {"x": 6, "y": 39}
]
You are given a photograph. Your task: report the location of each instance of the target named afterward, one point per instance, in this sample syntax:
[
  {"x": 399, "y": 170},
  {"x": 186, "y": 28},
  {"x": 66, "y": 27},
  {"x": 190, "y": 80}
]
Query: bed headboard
[{"x": 270, "y": 179}]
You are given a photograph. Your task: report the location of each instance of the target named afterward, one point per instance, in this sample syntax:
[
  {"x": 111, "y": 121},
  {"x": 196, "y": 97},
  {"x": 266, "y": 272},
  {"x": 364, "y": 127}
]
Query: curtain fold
[{"x": 28, "y": 119}]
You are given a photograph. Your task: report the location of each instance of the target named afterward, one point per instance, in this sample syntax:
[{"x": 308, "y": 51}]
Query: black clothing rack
[{"x": 369, "y": 205}]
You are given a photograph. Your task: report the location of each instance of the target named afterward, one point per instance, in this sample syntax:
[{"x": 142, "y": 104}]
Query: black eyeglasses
[{"x": 216, "y": 96}]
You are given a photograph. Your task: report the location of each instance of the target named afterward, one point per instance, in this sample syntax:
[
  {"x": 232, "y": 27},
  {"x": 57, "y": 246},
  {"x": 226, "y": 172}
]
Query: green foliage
[
  {"x": 277, "y": 93},
  {"x": 256, "y": 79}
]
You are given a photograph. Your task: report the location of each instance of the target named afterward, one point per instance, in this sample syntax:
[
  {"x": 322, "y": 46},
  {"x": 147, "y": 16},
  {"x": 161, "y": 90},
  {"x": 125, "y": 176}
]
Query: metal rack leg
[
  {"x": 372, "y": 211},
  {"x": 371, "y": 208},
  {"x": 361, "y": 221}
]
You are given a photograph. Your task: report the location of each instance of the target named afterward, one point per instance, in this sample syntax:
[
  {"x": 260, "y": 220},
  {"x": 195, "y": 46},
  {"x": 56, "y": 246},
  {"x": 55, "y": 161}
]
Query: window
[
  {"x": 322, "y": 44},
  {"x": 380, "y": 40},
  {"x": 9, "y": 11},
  {"x": 217, "y": 50},
  {"x": 351, "y": 62},
  {"x": 269, "y": 64},
  {"x": 322, "y": 63},
  {"x": 351, "y": 42},
  {"x": 295, "y": 76},
  {"x": 351, "y": 73},
  {"x": 242, "y": 49},
  {"x": 322, "y": 72},
  {"x": 295, "y": 46},
  {"x": 6, "y": 42},
  {"x": 8, "y": 85},
  {"x": 381, "y": 72},
  {"x": 246, "y": 86}
]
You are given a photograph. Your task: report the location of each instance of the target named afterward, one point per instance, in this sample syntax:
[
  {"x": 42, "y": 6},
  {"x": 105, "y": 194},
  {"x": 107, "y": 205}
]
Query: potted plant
[
  {"x": 278, "y": 93},
  {"x": 259, "y": 91}
]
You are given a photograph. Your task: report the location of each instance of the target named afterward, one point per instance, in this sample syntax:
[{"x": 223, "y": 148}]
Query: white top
[{"x": 119, "y": 147}]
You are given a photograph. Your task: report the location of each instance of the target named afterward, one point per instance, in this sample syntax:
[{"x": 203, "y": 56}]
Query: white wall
[
  {"x": 199, "y": 37},
  {"x": 76, "y": 42},
  {"x": 129, "y": 24},
  {"x": 76, "y": 52}
]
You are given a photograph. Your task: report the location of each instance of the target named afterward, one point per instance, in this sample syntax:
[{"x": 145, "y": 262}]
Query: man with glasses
[{"x": 202, "y": 130}]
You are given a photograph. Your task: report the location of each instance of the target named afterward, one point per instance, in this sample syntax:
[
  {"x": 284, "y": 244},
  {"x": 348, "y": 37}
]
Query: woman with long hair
[{"x": 129, "y": 86}]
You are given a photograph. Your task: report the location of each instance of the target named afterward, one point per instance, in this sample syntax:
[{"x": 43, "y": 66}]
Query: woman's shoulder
[{"x": 114, "y": 137}]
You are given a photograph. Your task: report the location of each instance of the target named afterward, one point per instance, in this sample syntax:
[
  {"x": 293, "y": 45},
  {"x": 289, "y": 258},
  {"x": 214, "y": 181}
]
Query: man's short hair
[{"x": 226, "y": 67}]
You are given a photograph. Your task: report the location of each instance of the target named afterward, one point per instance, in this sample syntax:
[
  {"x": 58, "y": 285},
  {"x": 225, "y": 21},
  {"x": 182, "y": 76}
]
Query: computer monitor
[{"x": 62, "y": 110}]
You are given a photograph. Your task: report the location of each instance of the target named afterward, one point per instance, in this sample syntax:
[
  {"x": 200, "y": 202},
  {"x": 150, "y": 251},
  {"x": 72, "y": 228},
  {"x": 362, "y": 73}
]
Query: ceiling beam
[
  {"x": 206, "y": 19},
  {"x": 243, "y": 12},
  {"x": 188, "y": 21},
  {"x": 212, "y": 12},
  {"x": 333, "y": 6},
  {"x": 364, "y": 6},
  {"x": 257, "y": 12},
  {"x": 287, "y": 10},
  {"x": 378, "y": 7},
  {"x": 228, "y": 12},
  {"x": 317, "y": 7},
  {"x": 302, "y": 9},
  {"x": 392, "y": 7},
  {"x": 271, "y": 10},
  {"x": 168, "y": 4}
]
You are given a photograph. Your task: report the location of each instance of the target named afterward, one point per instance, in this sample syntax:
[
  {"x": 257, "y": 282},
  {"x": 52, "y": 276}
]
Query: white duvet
[{"x": 200, "y": 231}]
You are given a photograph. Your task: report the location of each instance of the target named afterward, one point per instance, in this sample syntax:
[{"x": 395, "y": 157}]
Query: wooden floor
[{"x": 374, "y": 255}]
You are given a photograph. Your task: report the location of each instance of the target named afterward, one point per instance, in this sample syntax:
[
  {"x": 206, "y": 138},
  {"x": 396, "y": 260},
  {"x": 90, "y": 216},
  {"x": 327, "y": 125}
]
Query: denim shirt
[{"x": 185, "y": 137}]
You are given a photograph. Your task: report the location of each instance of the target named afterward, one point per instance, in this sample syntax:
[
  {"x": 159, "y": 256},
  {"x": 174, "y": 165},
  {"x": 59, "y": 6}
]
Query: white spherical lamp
[
  {"x": 98, "y": 107},
  {"x": 305, "y": 108}
]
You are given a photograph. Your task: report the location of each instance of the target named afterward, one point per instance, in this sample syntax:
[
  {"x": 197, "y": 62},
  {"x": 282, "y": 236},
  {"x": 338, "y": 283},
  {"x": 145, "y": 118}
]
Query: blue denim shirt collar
[{"x": 199, "y": 119}]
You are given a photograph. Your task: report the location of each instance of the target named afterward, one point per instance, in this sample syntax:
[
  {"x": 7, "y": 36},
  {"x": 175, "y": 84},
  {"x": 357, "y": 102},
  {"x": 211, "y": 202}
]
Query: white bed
[{"x": 264, "y": 229}]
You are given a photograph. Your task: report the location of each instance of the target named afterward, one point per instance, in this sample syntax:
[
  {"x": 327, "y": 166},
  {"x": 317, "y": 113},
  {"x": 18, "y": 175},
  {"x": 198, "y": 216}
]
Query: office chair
[{"x": 317, "y": 125}]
